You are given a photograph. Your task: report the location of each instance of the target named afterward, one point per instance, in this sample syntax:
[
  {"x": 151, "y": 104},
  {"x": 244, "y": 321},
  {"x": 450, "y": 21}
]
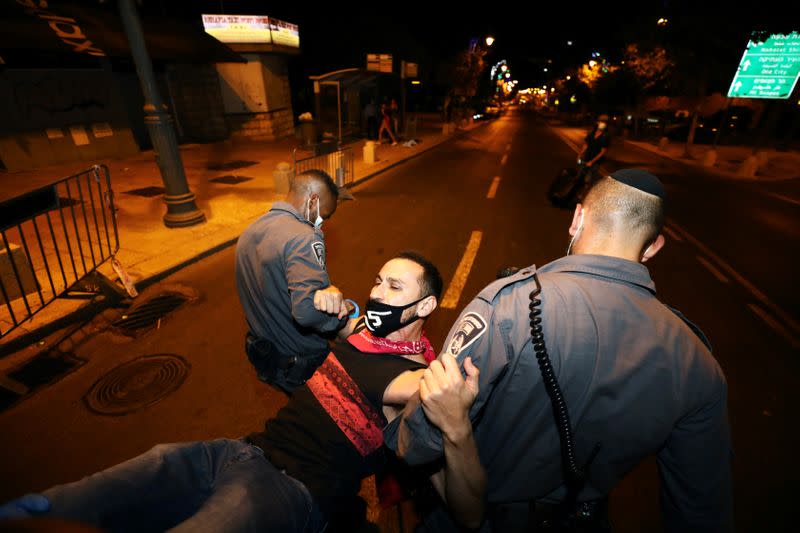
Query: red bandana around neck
[{"x": 369, "y": 343}]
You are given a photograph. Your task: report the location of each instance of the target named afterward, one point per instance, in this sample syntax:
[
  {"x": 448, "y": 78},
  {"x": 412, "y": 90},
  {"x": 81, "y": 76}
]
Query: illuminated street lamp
[
  {"x": 569, "y": 78},
  {"x": 489, "y": 40},
  {"x": 545, "y": 69},
  {"x": 662, "y": 21},
  {"x": 592, "y": 63}
]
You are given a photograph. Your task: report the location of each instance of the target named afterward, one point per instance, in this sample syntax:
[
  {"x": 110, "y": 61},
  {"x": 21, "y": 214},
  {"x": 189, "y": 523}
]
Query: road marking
[
  {"x": 453, "y": 293},
  {"x": 504, "y": 160},
  {"x": 711, "y": 268},
  {"x": 508, "y": 147},
  {"x": 493, "y": 187},
  {"x": 775, "y": 325},
  {"x": 672, "y": 234},
  {"x": 760, "y": 296},
  {"x": 782, "y": 197}
]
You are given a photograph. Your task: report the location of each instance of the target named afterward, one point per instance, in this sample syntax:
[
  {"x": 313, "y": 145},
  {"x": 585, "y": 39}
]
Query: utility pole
[{"x": 181, "y": 208}]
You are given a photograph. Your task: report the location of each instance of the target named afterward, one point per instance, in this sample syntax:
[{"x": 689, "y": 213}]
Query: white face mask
[
  {"x": 317, "y": 221},
  {"x": 577, "y": 232}
]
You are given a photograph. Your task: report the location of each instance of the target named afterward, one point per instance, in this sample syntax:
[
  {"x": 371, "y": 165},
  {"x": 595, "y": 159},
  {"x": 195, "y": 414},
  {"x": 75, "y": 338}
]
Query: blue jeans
[{"x": 222, "y": 485}]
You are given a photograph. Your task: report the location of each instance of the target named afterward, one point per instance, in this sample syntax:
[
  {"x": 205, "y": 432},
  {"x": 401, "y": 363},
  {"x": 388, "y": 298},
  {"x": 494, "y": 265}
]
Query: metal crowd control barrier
[
  {"x": 52, "y": 239},
  {"x": 338, "y": 164}
]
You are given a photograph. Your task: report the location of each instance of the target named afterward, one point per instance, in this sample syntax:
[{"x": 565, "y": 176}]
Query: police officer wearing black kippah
[{"x": 584, "y": 373}]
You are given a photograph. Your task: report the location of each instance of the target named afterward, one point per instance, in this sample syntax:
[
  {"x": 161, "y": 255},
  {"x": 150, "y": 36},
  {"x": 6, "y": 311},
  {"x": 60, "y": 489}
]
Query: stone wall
[
  {"x": 268, "y": 126},
  {"x": 196, "y": 97}
]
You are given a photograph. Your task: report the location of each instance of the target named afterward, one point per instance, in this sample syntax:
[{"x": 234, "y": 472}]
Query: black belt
[{"x": 542, "y": 517}]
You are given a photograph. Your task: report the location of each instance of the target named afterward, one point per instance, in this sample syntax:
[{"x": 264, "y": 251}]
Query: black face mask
[{"x": 383, "y": 319}]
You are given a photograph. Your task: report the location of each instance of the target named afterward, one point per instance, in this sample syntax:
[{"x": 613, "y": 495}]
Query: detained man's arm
[
  {"x": 446, "y": 399},
  {"x": 402, "y": 388},
  {"x": 412, "y": 436}
]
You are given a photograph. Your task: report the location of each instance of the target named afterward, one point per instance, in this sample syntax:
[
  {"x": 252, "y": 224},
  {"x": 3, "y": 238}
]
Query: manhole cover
[
  {"x": 147, "y": 192},
  {"x": 232, "y": 165},
  {"x": 149, "y": 313},
  {"x": 137, "y": 384},
  {"x": 230, "y": 179}
]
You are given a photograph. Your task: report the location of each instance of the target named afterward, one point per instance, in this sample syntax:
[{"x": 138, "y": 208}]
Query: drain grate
[
  {"x": 232, "y": 165},
  {"x": 149, "y": 313},
  {"x": 137, "y": 384},
  {"x": 147, "y": 192},
  {"x": 230, "y": 179},
  {"x": 44, "y": 369}
]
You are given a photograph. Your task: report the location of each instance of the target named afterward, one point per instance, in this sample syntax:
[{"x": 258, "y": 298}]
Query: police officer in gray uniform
[
  {"x": 583, "y": 374},
  {"x": 288, "y": 300}
]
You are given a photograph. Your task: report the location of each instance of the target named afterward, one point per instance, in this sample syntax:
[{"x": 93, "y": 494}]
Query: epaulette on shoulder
[{"x": 490, "y": 292}]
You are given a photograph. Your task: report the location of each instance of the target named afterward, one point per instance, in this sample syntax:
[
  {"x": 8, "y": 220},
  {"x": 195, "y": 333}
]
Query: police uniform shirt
[
  {"x": 280, "y": 263},
  {"x": 636, "y": 379}
]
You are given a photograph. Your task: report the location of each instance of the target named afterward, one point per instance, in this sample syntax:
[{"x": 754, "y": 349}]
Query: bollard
[
  {"x": 749, "y": 167},
  {"x": 763, "y": 158},
  {"x": 663, "y": 143},
  {"x": 370, "y": 152},
  {"x": 710, "y": 158},
  {"x": 281, "y": 176},
  {"x": 446, "y": 128}
]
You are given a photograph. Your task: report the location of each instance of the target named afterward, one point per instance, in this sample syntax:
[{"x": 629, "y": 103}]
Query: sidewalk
[
  {"x": 779, "y": 165},
  {"x": 148, "y": 250}
]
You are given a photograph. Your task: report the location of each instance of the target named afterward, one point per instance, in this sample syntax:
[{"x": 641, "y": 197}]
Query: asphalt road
[{"x": 728, "y": 265}]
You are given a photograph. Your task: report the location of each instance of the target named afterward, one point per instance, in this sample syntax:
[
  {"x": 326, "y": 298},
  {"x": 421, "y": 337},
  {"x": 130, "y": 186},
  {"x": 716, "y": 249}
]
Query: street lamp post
[{"x": 181, "y": 208}]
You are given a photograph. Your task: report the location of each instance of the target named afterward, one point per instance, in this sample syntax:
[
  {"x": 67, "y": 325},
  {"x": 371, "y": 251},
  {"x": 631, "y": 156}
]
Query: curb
[
  {"x": 93, "y": 307},
  {"x": 413, "y": 156}
]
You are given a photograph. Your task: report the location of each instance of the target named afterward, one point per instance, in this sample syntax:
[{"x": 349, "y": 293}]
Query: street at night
[
  {"x": 220, "y": 229},
  {"x": 434, "y": 204}
]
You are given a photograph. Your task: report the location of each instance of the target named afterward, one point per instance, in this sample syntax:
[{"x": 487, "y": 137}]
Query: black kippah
[{"x": 642, "y": 180}]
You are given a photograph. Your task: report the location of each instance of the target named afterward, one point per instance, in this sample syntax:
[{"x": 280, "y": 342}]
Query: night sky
[{"x": 527, "y": 34}]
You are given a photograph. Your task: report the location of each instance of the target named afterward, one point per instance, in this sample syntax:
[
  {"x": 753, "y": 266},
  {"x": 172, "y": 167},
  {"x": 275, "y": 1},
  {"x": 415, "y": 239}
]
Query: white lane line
[
  {"x": 782, "y": 197},
  {"x": 775, "y": 325},
  {"x": 760, "y": 296},
  {"x": 504, "y": 160},
  {"x": 493, "y": 187},
  {"x": 711, "y": 268},
  {"x": 453, "y": 293},
  {"x": 672, "y": 234}
]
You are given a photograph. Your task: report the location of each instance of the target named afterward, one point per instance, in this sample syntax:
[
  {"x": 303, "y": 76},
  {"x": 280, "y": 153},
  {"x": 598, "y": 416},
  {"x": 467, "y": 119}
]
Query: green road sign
[{"x": 769, "y": 69}]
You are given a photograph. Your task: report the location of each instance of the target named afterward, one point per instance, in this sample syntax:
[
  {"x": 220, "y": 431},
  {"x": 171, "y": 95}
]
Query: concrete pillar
[
  {"x": 281, "y": 176},
  {"x": 749, "y": 167},
  {"x": 26, "y": 283},
  {"x": 370, "y": 152},
  {"x": 710, "y": 158}
]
